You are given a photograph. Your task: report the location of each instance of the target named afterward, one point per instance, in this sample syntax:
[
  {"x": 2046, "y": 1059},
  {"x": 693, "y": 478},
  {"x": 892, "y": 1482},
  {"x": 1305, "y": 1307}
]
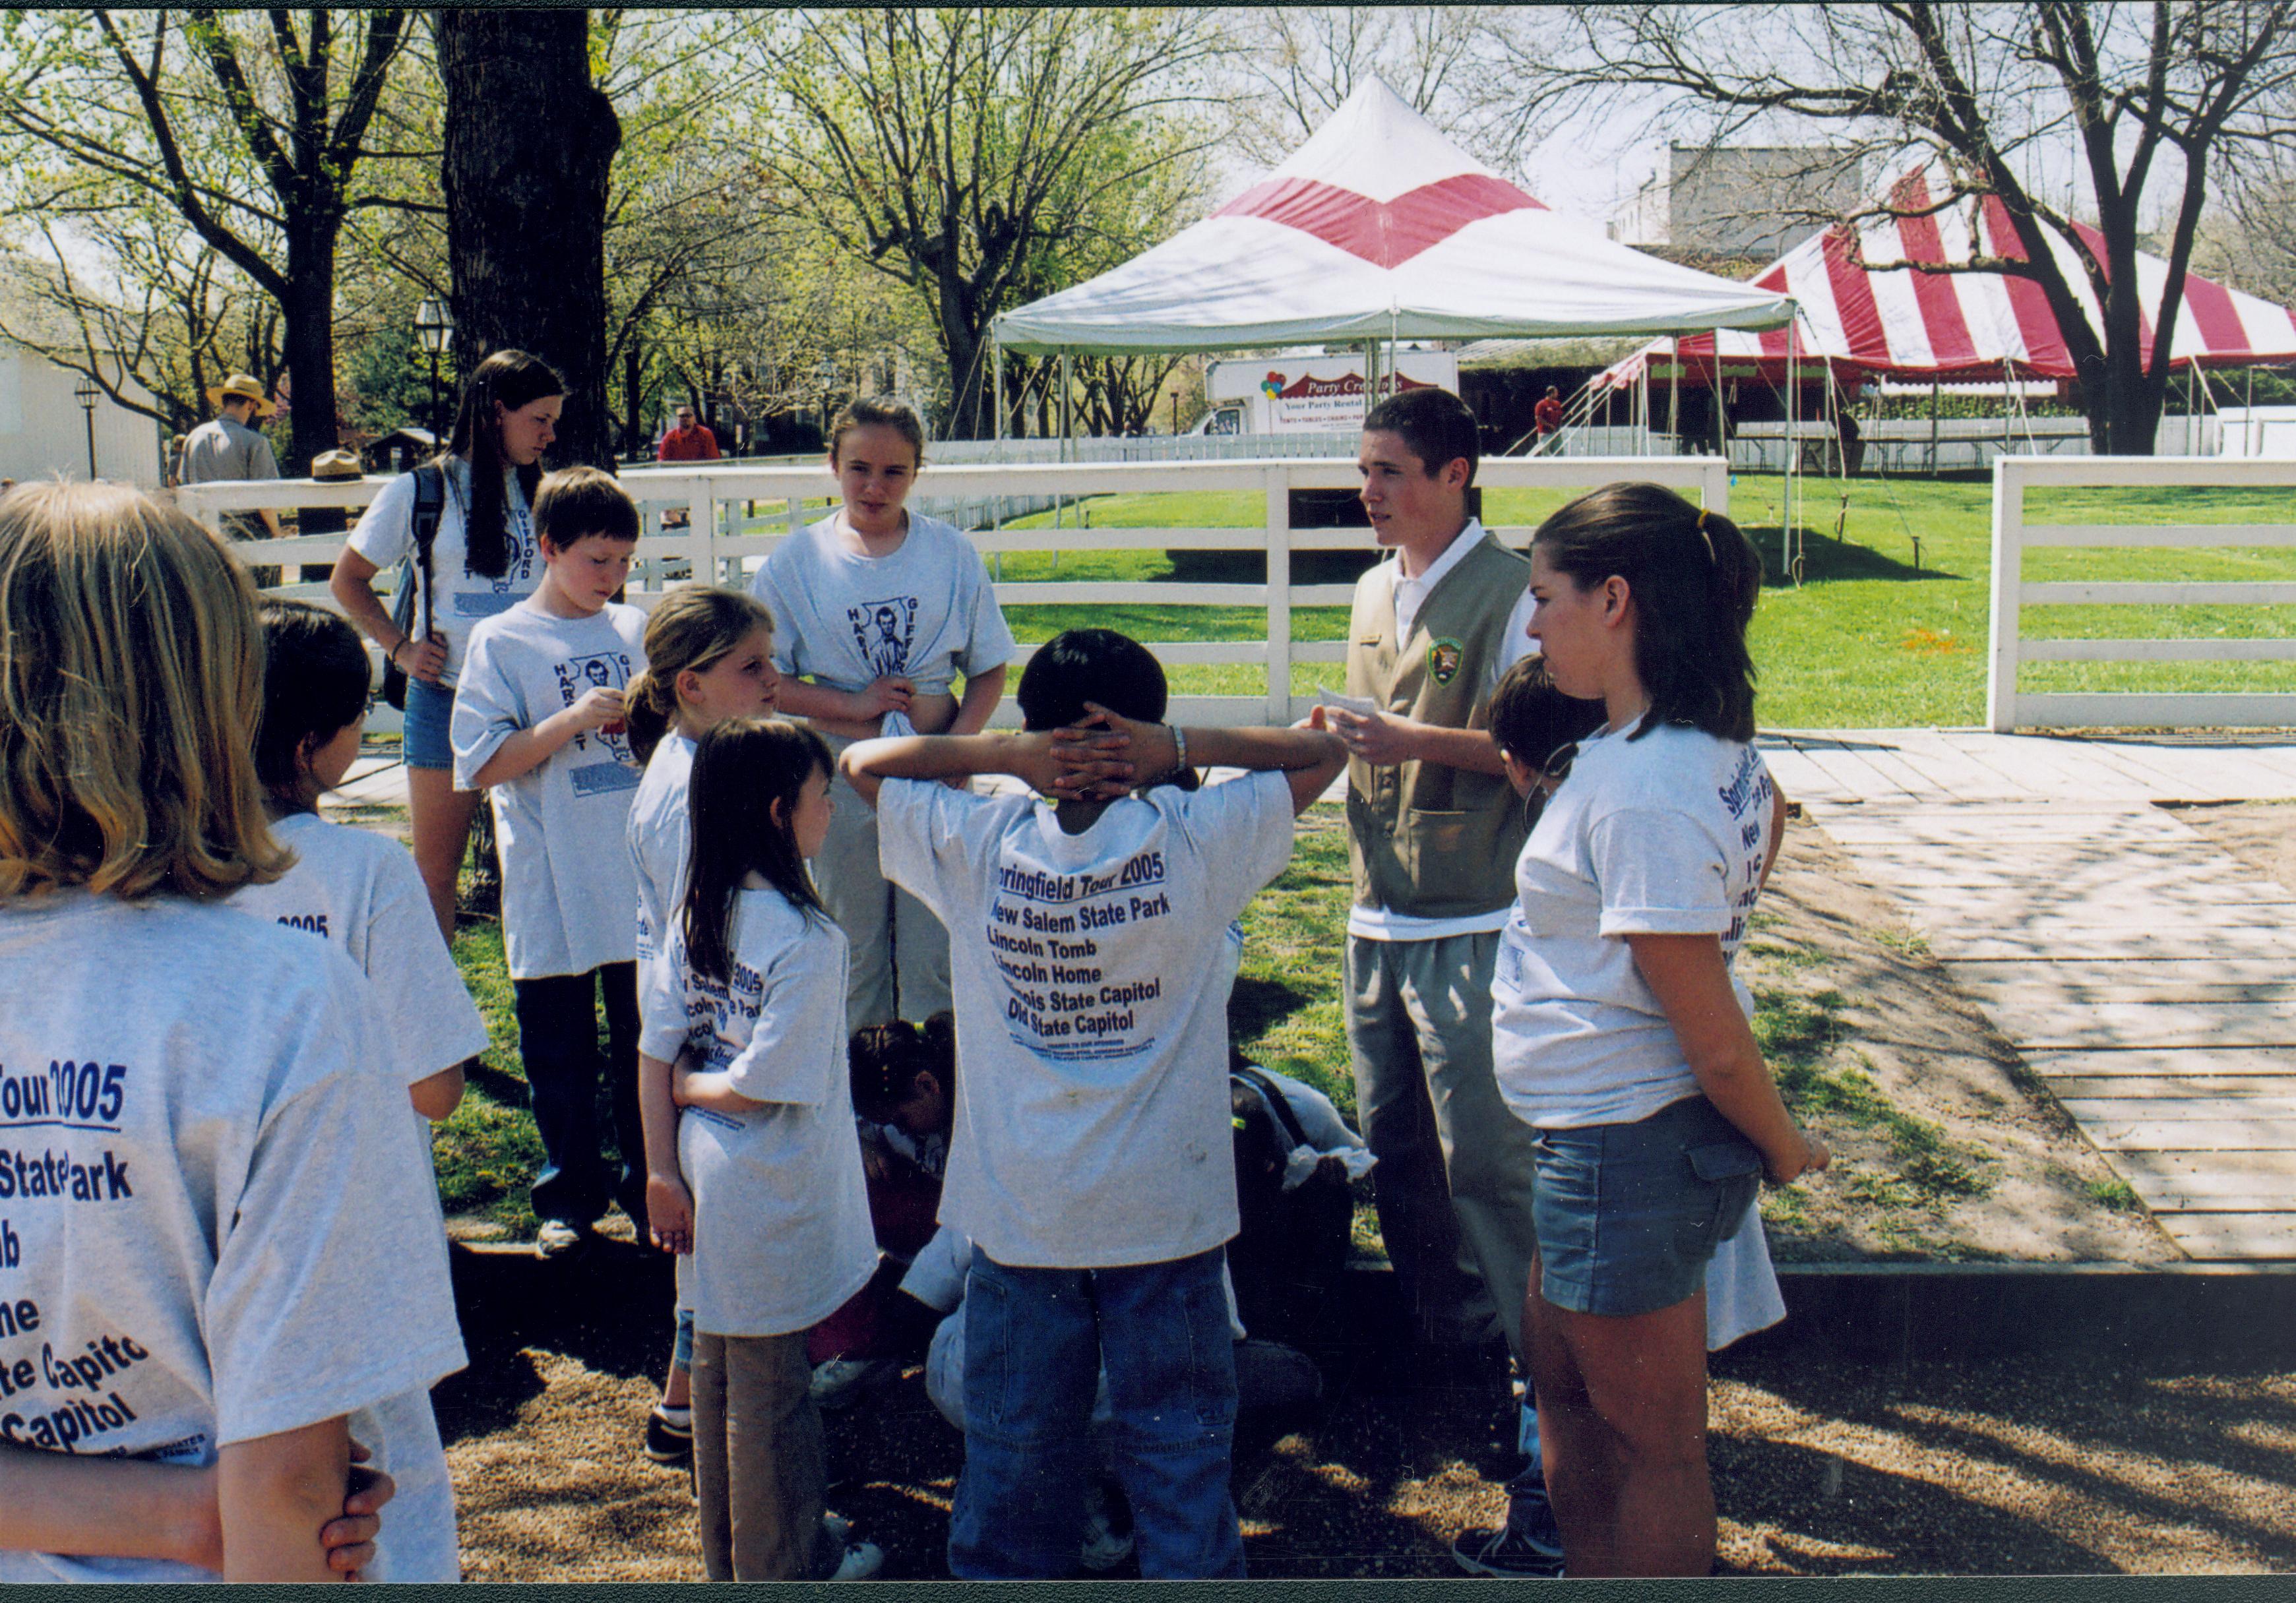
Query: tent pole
[
  {"x": 1793, "y": 454},
  {"x": 1933, "y": 428},
  {"x": 1721, "y": 424},
  {"x": 996, "y": 363},
  {"x": 2248, "y": 423},
  {"x": 1674, "y": 403}
]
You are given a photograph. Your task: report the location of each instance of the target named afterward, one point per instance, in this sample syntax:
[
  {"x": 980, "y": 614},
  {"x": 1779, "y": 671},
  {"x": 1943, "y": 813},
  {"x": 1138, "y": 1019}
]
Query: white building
[
  {"x": 44, "y": 432},
  {"x": 1740, "y": 200}
]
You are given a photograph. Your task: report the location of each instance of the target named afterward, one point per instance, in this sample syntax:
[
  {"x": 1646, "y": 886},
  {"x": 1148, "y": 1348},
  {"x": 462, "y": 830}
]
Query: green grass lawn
[{"x": 1867, "y": 640}]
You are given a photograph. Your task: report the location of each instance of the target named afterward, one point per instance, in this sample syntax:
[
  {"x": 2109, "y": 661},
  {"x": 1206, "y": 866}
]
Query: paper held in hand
[{"x": 1361, "y": 705}]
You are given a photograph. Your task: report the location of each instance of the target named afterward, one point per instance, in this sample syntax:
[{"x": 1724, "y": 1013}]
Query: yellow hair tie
[{"x": 1712, "y": 559}]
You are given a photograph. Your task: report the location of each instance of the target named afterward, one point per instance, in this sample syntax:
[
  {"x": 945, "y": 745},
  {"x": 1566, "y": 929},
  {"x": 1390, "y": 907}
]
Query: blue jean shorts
[
  {"x": 1628, "y": 1215},
  {"x": 423, "y": 740}
]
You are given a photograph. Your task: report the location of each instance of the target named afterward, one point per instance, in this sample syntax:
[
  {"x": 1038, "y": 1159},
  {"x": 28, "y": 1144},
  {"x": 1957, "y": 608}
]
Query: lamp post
[
  {"x": 434, "y": 327},
  {"x": 88, "y": 392},
  {"x": 827, "y": 373}
]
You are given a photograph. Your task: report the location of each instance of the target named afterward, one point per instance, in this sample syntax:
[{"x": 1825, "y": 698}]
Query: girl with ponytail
[
  {"x": 1618, "y": 1031},
  {"x": 482, "y": 561},
  {"x": 710, "y": 657}
]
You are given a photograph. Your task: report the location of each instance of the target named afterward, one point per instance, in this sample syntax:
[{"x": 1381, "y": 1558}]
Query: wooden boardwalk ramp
[{"x": 2147, "y": 977}]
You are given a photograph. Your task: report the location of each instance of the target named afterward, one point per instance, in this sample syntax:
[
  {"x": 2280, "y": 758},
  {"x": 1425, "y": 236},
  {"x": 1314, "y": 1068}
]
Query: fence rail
[
  {"x": 722, "y": 543},
  {"x": 2009, "y": 707}
]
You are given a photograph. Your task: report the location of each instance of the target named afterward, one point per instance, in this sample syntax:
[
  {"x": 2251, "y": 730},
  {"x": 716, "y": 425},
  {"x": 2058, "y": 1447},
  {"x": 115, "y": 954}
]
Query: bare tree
[
  {"x": 253, "y": 132},
  {"x": 2149, "y": 99},
  {"x": 1295, "y": 65},
  {"x": 947, "y": 147}
]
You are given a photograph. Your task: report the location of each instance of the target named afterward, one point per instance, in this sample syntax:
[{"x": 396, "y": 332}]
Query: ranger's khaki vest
[{"x": 1427, "y": 840}]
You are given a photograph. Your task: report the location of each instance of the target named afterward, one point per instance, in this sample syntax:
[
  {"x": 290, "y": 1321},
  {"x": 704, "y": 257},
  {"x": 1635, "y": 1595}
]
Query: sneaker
[
  {"x": 857, "y": 1561},
  {"x": 1104, "y": 1546},
  {"x": 1506, "y": 1553},
  {"x": 667, "y": 1442},
  {"x": 557, "y": 1238},
  {"x": 841, "y": 1382}
]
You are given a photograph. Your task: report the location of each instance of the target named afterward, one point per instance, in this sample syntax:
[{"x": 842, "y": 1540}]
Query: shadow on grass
[
  {"x": 1255, "y": 1006},
  {"x": 1824, "y": 558}
]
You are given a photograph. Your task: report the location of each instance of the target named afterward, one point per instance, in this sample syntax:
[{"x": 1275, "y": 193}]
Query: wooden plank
[
  {"x": 2121, "y": 1107},
  {"x": 2166, "y": 1062},
  {"x": 2231, "y": 1090},
  {"x": 2116, "y": 1023},
  {"x": 1849, "y": 770},
  {"x": 2210, "y": 1182},
  {"x": 2136, "y": 1131},
  {"x": 2036, "y": 764},
  {"x": 2176, "y": 779},
  {"x": 2206, "y": 773},
  {"x": 1927, "y": 754},
  {"x": 1916, "y": 786},
  {"x": 2042, "y": 990},
  {"x": 2042, "y": 944},
  {"x": 2062, "y": 878},
  {"x": 2229, "y": 1236},
  {"x": 1804, "y": 780}
]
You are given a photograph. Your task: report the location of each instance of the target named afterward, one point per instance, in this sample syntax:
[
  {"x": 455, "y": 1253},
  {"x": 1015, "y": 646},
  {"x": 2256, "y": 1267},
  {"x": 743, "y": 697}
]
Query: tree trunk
[
  {"x": 633, "y": 440},
  {"x": 528, "y": 143},
  {"x": 310, "y": 340}
]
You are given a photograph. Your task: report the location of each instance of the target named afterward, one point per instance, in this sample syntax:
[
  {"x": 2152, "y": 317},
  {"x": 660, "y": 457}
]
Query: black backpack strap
[
  {"x": 429, "y": 499},
  {"x": 1277, "y": 1105}
]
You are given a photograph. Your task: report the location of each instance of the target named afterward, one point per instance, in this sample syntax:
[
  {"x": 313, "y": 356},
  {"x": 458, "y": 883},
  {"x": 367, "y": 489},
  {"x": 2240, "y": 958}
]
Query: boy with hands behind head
[{"x": 1091, "y": 1161}]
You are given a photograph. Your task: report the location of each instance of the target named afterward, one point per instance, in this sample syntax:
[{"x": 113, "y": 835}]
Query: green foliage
[{"x": 387, "y": 381}]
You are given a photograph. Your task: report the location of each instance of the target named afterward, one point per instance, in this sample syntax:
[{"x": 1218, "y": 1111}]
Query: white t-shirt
[
  {"x": 459, "y": 598},
  {"x": 215, "y": 1222},
  {"x": 1664, "y": 834},
  {"x": 659, "y": 845},
  {"x": 781, "y": 1235},
  {"x": 362, "y": 891},
  {"x": 1091, "y": 1114},
  {"x": 845, "y": 620},
  {"x": 1384, "y": 924},
  {"x": 569, "y": 892}
]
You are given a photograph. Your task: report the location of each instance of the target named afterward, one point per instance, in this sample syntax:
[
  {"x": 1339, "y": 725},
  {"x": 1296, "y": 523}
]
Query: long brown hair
[
  {"x": 748, "y": 774},
  {"x": 131, "y": 682},
  {"x": 513, "y": 380}
]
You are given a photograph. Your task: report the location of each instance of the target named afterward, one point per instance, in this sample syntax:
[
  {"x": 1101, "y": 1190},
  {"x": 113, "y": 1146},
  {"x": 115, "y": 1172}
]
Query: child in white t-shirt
[
  {"x": 1092, "y": 1162},
  {"x": 352, "y": 886},
  {"x": 781, "y": 1233},
  {"x": 709, "y": 658},
  {"x": 213, "y": 1182},
  {"x": 878, "y": 611},
  {"x": 539, "y": 722}
]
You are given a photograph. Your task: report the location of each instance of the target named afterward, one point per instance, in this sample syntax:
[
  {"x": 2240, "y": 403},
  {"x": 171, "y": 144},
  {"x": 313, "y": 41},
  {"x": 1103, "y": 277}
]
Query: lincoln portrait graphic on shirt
[
  {"x": 884, "y": 631},
  {"x": 600, "y": 671}
]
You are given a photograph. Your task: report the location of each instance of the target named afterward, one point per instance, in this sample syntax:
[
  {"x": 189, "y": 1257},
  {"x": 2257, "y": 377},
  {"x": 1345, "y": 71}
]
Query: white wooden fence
[
  {"x": 722, "y": 545},
  {"x": 2008, "y": 708}
]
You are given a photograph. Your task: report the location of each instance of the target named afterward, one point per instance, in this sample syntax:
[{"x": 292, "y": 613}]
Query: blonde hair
[
  {"x": 131, "y": 681},
  {"x": 693, "y": 628}
]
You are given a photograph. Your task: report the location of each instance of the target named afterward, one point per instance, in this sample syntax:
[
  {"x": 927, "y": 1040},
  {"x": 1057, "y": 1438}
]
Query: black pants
[{"x": 558, "y": 1039}]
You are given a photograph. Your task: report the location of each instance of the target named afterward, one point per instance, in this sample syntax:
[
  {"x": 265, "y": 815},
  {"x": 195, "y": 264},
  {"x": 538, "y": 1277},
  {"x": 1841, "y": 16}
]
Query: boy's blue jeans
[{"x": 1034, "y": 1343}]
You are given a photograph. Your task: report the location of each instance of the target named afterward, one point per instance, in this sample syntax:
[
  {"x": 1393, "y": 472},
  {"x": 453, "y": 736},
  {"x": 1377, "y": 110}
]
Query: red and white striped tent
[
  {"x": 1858, "y": 315},
  {"x": 1379, "y": 228}
]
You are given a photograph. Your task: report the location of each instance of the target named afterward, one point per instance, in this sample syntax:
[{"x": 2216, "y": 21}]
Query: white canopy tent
[{"x": 1379, "y": 228}]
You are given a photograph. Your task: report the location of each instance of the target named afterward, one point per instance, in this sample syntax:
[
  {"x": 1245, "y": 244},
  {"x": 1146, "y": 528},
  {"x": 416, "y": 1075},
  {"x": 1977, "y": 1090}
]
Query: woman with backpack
[{"x": 461, "y": 528}]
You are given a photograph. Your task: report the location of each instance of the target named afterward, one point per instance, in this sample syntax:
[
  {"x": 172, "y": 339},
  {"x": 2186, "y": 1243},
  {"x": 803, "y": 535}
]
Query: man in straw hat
[{"x": 232, "y": 447}]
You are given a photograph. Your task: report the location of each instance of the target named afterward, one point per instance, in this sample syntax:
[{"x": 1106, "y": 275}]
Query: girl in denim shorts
[{"x": 1619, "y": 1032}]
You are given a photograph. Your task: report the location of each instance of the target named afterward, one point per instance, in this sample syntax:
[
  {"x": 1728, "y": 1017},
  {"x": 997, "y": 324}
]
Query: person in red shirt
[
  {"x": 1547, "y": 413},
  {"x": 689, "y": 441}
]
